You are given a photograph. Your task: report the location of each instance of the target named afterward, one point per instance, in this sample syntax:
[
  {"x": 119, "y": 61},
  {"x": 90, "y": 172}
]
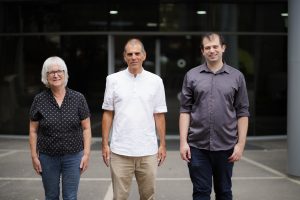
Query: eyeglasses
[{"x": 58, "y": 72}]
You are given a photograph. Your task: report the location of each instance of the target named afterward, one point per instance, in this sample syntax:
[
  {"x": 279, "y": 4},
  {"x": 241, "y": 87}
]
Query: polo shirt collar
[{"x": 132, "y": 75}]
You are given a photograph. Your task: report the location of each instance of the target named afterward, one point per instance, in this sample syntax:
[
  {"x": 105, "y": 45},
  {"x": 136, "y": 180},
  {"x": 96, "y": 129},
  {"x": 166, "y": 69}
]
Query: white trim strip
[
  {"x": 109, "y": 193},
  {"x": 273, "y": 171},
  {"x": 8, "y": 153}
]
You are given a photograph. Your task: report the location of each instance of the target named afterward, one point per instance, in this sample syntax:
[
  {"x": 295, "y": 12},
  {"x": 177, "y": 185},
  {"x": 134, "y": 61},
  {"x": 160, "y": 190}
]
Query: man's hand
[
  {"x": 161, "y": 156},
  {"x": 185, "y": 152},
  {"x": 237, "y": 153},
  {"x": 106, "y": 155}
]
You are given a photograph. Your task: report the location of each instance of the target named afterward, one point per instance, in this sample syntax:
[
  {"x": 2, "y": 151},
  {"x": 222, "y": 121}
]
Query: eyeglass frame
[{"x": 58, "y": 72}]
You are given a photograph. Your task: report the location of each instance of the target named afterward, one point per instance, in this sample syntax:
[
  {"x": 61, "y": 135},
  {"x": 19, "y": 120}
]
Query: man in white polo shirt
[{"x": 133, "y": 110}]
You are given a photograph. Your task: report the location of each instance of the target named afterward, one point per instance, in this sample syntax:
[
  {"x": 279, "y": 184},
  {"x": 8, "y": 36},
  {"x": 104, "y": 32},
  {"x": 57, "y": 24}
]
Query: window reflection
[
  {"x": 78, "y": 32},
  {"x": 47, "y": 16}
]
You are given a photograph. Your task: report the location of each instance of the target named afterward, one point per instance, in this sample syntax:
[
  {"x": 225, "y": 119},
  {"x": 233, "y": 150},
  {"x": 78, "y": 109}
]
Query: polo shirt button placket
[{"x": 134, "y": 88}]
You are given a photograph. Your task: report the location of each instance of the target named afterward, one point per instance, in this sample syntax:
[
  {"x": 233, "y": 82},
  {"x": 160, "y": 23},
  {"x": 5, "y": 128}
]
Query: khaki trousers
[{"x": 123, "y": 168}]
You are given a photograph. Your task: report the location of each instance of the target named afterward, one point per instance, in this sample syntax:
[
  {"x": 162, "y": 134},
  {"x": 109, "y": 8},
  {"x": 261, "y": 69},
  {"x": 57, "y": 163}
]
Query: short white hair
[{"x": 49, "y": 62}]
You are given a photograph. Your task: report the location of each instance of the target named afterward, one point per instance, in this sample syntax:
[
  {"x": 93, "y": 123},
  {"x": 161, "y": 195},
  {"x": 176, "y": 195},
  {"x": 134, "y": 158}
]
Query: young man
[
  {"x": 134, "y": 106},
  {"x": 213, "y": 121}
]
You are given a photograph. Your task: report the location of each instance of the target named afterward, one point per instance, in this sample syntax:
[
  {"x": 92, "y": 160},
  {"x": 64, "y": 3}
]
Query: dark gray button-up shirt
[{"x": 215, "y": 102}]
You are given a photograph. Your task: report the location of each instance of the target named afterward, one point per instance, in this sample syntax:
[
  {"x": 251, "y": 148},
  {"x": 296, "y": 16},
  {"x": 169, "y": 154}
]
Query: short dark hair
[{"x": 210, "y": 35}]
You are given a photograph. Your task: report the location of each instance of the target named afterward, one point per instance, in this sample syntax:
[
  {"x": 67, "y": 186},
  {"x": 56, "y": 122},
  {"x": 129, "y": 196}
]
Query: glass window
[
  {"x": 85, "y": 57},
  {"x": 149, "y": 16},
  {"x": 262, "y": 60},
  {"x": 200, "y": 16},
  {"x": 256, "y": 35},
  {"x": 178, "y": 55},
  {"x": 271, "y": 84}
]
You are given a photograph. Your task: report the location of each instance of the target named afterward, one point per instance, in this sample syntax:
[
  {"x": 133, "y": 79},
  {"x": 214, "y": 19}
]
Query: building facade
[{"x": 90, "y": 35}]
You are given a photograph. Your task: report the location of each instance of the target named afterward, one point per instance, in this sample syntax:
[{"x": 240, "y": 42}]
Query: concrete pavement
[{"x": 261, "y": 174}]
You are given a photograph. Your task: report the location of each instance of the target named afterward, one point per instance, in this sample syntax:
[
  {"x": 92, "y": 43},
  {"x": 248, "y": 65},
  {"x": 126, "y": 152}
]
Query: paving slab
[{"x": 261, "y": 174}]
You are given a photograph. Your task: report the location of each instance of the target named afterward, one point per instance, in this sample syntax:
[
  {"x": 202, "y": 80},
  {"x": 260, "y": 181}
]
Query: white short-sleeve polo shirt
[{"x": 134, "y": 100}]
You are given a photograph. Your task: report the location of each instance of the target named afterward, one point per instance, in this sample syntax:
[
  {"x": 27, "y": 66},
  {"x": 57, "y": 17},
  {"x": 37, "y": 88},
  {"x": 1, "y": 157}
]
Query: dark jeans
[
  {"x": 66, "y": 166},
  {"x": 205, "y": 165}
]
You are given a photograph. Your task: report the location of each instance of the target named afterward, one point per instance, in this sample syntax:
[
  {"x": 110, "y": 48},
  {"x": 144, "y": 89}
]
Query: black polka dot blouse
[{"x": 59, "y": 130}]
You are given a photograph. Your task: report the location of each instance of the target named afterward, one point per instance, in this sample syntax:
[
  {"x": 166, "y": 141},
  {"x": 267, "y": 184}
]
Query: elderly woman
[{"x": 59, "y": 132}]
